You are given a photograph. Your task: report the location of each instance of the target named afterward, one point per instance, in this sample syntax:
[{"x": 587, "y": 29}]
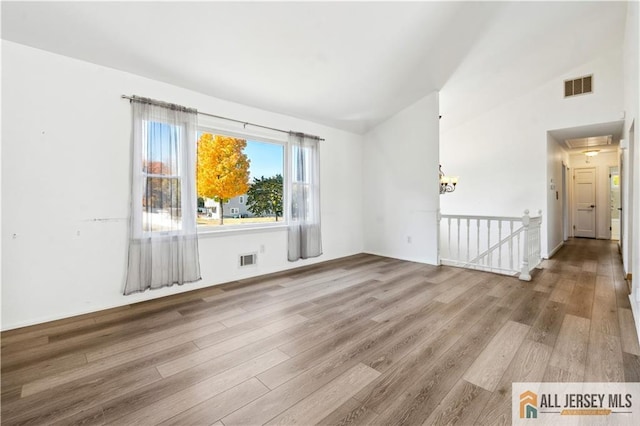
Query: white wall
[
  {"x": 1, "y": 183},
  {"x": 65, "y": 188},
  {"x": 632, "y": 191},
  {"x": 401, "y": 196},
  {"x": 501, "y": 154},
  {"x": 601, "y": 163},
  {"x": 556, "y": 157}
]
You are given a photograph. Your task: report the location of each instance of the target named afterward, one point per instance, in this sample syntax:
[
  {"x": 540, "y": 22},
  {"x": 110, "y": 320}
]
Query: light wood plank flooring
[{"x": 359, "y": 340}]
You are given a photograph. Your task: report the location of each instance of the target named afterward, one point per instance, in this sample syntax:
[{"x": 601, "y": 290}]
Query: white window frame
[
  {"x": 257, "y": 226},
  {"x": 145, "y": 135}
]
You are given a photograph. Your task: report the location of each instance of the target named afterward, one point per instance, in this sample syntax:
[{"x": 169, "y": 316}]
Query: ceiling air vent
[
  {"x": 586, "y": 143},
  {"x": 578, "y": 86}
]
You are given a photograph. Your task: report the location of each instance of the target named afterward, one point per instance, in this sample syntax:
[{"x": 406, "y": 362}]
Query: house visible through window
[
  {"x": 239, "y": 181},
  {"x": 163, "y": 246}
]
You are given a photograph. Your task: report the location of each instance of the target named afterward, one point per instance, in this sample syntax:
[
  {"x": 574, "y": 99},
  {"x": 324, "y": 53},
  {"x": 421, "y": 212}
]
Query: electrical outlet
[
  {"x": 409, "y": 239},
  {"x": 261, "y": 248}
]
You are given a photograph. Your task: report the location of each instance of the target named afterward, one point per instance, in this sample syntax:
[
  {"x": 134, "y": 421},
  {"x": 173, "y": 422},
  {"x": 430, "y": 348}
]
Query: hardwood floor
[{"x": 359, "y": 340}]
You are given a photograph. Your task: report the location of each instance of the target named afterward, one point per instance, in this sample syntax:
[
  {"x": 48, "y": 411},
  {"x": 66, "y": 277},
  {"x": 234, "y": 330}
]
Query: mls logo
[{"x": 528, "y": 405}]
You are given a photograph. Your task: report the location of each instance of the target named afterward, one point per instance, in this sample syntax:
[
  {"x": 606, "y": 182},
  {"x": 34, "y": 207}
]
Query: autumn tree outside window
[
  {"x": 223, "y": 169},
  {"x": 162, "y": 174},
  {"x": 239, "y": 181}
]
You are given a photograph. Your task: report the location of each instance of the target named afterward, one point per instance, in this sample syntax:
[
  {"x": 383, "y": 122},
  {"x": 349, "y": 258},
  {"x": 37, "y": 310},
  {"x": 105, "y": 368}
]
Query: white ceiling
[{"x": 347, "y": 65}]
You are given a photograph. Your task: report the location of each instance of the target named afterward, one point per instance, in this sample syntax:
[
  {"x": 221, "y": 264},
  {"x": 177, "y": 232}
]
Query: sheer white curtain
[
  {"x": 163, "y": 241},
  {"x": 304, "y": 233}
]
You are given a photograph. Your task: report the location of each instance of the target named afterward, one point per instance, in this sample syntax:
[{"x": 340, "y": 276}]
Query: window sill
[{"x": 245, "y": 229}]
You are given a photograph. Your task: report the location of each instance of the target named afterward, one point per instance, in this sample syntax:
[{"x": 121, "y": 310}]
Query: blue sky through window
[
  {"x": 162, "y": 147},
  {"x": 266, "y": 159}
]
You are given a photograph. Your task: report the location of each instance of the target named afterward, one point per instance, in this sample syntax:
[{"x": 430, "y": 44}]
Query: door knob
[{"x": 592, "y": 205}]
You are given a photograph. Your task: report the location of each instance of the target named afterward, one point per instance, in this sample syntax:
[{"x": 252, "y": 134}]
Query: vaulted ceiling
[{"x": 349, "y": 65}]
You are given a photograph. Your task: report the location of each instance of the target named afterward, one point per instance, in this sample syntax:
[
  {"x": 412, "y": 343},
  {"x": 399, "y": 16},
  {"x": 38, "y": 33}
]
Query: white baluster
[
  {"x": 458, "y": 258},
  {"x": 478, "y": 238},
  {"x": 449, "y": 236},
  {"x": 489, "y": 242},
  {"x": 511, "y": 245},
  {"x": 468, "y": 222},
  {"x": 500, "y": 240}
]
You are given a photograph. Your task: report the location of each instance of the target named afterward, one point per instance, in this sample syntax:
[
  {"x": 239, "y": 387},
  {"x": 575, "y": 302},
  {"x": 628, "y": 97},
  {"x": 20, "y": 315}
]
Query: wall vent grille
[
  {"x": 248, "y": 259},
  {"x": 578, "y": 86}
]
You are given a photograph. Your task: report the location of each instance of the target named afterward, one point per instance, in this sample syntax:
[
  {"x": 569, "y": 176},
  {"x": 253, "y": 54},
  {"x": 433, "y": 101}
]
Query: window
[
  {"x": 161, "y": 177},
  {"x": 304, "y": 230},
  {"x": 163, "y": 248},
  {"x": 301, "y": 180},
  {"x": 242, "y": 177}
]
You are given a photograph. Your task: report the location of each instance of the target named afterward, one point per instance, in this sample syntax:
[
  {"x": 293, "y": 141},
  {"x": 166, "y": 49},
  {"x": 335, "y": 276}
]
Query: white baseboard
[
  {"x": 407, "y": 258},
  {"x": 555, "y": 250},
  {"x": 635, "y": 310}
]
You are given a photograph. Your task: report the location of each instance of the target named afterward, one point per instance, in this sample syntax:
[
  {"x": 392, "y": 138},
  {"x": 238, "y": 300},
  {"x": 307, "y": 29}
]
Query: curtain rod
[{"x": 245, "y": 123}]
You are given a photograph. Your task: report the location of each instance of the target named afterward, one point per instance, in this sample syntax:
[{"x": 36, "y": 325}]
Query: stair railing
[{"x": 504, "y": 245}]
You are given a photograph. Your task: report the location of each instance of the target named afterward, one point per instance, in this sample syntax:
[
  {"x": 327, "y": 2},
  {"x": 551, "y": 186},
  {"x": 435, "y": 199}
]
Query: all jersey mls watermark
[{"x": 560, "y": 404}]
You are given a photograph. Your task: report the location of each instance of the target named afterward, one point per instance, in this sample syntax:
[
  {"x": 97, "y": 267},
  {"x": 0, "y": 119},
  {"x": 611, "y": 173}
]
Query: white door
[
  {"x": 621, "y": 240},
  {"x": 614, "y": 195},
  {"x": 585, "y": 202}
]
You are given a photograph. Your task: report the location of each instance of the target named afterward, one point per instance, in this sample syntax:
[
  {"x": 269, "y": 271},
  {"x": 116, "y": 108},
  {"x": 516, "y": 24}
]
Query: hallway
[{"x": 586, "y": 276}]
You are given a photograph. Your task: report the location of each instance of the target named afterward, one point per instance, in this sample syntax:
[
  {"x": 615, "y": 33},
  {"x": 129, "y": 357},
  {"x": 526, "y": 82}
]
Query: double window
[{"x": 240, "y": 181}]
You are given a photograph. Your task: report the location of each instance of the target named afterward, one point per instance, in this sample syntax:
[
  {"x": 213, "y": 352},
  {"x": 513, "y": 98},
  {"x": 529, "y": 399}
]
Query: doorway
[
  {"x": 614, "y": 202},
  {"x": 631, "y": 232},
  {"x": 584, "y": 189},
  {"x": 565, "y": 203}
]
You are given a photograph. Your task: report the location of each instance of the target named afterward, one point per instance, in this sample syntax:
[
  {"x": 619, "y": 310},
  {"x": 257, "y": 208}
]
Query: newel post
[{"x": 524, "y": 272}]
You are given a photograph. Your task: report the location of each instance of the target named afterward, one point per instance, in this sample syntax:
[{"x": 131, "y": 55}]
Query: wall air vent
[
  {"x": 248, "y": 259},
  {"x": 578, "y": 86}
]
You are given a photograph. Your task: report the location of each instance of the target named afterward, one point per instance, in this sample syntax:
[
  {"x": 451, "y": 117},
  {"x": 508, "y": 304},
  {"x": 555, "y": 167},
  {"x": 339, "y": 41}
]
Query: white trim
[
  {"x": 636, "y": 314},
  {"x": 227, "y": 230},
  {"x": 406, "y": 258},
  {"x": 555, "y": 250}
]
